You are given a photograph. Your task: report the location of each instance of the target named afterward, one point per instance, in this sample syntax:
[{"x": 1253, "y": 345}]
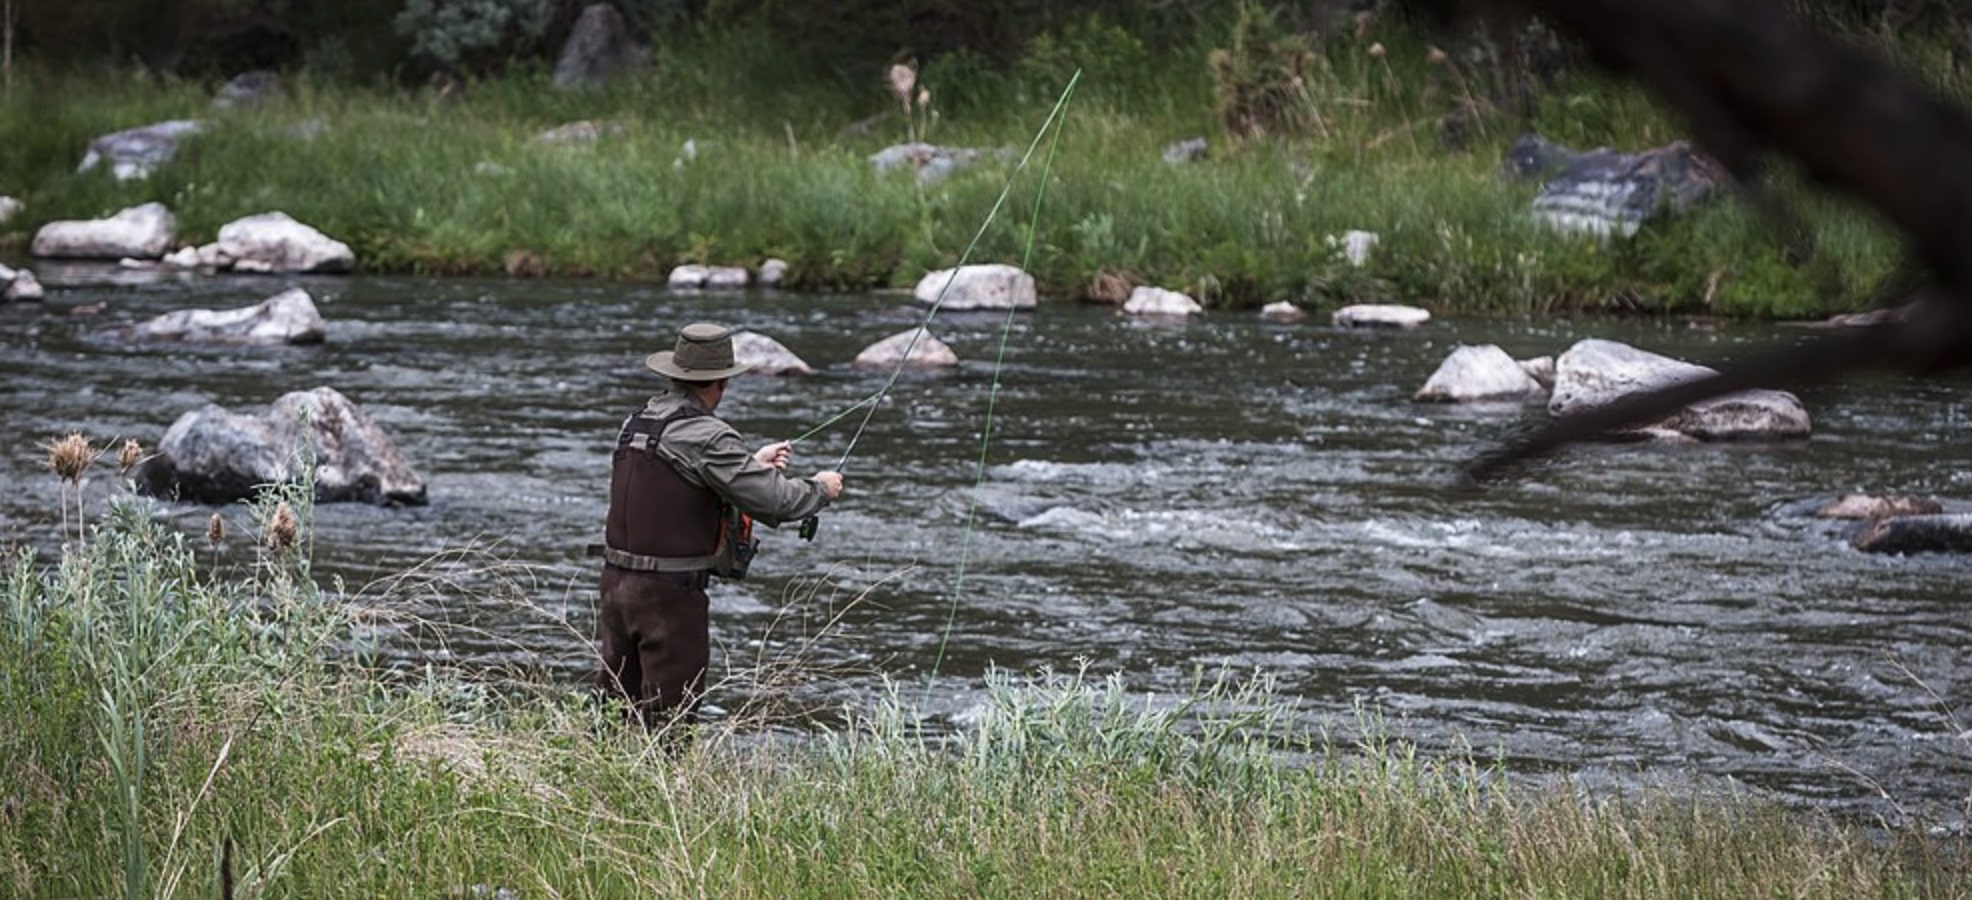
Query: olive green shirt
[{"x": 709, "y": 453}]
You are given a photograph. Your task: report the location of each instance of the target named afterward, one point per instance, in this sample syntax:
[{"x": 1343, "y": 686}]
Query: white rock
[
  {"x": 1380, "y": 315},
  {"x": 9, "y": 208},
  {"x": 19, "y": 285},
  {"x": 1155, "y": 301},
  {"x": 275, "y": 242},
  {"x": 727, "y": 278},
  {"x": 926, "y": 352},
  {"x": 1478, "y": 374},
  {"x": 1597, "y": 372},
  {"x": 1356, "y": 246},
  {"x": 1541, "y": 369},
  {"x": 767, "y": 356},
  {"x": 993, "y": 286},
  {"x": 142, "y": 232},
  {"x": 182, "y": 258},
  {"x": 715, "y": 277},
  {"x": 690, "y": 275},
  {"x": 288, "y": 317},
  {"x": 1282, "y": 311},
  {"x": 773, "y": 272}
]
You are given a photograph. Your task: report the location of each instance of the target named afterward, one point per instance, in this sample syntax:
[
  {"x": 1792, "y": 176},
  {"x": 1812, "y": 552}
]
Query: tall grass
[
  {"x": 178, "y": 722},
  {"x": 1405, "y": 140}
]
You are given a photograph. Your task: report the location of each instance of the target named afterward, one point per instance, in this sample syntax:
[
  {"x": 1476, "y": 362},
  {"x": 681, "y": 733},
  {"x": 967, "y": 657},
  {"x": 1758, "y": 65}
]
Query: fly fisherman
[{"x": 681, "y": 490}]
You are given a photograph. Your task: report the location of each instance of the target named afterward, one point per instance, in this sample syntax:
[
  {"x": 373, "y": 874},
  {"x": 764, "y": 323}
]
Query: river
[{"x": 1155, "y": 497}]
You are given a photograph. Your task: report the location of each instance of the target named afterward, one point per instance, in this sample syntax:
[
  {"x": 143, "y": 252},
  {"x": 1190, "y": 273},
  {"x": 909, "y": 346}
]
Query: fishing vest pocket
[{"x": 737, "y": 545}]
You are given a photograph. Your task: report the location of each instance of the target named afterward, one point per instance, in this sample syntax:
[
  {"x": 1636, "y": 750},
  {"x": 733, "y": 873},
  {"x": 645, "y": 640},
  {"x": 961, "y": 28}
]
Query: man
[{"x": 679, "y": 480}]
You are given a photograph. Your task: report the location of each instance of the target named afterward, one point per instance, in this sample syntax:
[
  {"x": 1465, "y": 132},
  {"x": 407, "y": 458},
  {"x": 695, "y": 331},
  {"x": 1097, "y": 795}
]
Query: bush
[{"x": 474, "y": 37}]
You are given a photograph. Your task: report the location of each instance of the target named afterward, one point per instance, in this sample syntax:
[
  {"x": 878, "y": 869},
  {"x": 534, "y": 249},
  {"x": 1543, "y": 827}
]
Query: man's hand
[
  {"x": 831, "y": 483},
  {"x": 775, "y": 456}
]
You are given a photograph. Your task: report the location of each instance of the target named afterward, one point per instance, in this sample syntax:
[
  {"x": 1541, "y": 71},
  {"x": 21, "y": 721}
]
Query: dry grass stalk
[{"x": 129, "y": 456}]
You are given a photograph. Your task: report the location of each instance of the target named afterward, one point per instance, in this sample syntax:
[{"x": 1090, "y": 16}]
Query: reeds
[{"x": 163, "y": 724}]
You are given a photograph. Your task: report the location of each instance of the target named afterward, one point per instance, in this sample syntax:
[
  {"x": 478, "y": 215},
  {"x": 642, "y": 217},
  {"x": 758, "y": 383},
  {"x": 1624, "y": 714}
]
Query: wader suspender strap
[{"x": 645, "y": 439}]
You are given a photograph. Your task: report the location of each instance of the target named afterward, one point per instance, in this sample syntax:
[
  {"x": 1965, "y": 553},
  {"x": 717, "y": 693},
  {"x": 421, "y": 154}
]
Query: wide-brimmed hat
[{"x": 704, "y": 352}]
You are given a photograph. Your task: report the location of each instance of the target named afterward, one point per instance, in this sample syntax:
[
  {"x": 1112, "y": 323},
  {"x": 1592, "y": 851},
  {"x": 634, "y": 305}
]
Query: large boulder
[
  {"x": 767, "y": 356},
  {"x": 1596, "y": 372},
  {"x": 136, "y": 152},
  {"x": 138, "y": 232},
  {"x": 995, "y": 286},
  {"x": 925, "y": 352},
  {"x": 1478, "y": 374},
  {"x": 598, "y": 48},
  {"x": 213, "y": 456},
  {"x": 1602, "y": 191},
  {"x": 275, "y": 242},
  {"x": 288, "y": 317}
]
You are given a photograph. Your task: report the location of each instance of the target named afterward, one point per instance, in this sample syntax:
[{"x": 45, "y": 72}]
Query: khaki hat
[{"x": 704, "y": 352}]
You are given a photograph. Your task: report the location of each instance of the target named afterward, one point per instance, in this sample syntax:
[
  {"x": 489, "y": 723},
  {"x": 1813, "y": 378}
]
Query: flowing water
[{"x": 1156, "y": 497}]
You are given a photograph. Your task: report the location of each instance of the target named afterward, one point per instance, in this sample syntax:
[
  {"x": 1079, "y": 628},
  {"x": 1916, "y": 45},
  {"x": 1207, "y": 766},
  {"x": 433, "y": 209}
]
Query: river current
[{"x": 1155, "y": 497}]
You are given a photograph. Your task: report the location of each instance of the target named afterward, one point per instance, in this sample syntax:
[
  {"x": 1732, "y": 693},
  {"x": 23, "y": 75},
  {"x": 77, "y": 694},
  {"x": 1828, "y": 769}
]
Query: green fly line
[{"x": 992, "y": 400}]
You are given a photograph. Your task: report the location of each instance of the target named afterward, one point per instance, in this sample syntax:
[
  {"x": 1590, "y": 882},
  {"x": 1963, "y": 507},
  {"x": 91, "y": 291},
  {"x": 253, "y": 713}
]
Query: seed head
[
  {"x": 130, "y": 454},
  {"x": 215, "y": 530},
  {"x": 924, "y": 97},
  {"x": 281, "y": 527},
  {"x": 902, "y": 78},
  {"x": 1376, "y": 50},
  {"x": 1435, "y": 57},
  {"x": 69, "y": 456}
]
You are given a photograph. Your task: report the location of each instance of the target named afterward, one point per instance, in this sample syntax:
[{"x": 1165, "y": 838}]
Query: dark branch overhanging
[{"x": 1753, "y": 82}]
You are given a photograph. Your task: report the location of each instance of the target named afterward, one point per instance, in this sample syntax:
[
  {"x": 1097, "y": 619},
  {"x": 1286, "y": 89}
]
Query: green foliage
[
  {"x": 1262, "y": 78},
  {"x": 474, "y": 36},
  {"x": 1110, "y": 59}
]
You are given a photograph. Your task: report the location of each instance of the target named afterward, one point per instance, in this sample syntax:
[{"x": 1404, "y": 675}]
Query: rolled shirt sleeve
[{"x": 710, "y": 452}]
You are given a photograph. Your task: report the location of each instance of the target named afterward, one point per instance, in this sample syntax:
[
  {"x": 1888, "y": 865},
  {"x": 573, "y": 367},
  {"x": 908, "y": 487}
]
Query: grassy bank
[
  {"x": 418, "y": 181},
  {"x": 182, "y": 722}
]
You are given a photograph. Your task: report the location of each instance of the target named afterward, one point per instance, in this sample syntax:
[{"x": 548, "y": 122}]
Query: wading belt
[{"x": 637, "y": 562}]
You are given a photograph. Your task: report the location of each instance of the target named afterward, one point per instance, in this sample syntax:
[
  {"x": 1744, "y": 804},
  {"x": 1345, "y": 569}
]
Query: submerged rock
[
  {"x": 925, "y": 352},
  {"x": 1940, "y": 533},
  {"x": 1868, "y": 506},
  {"x": 288, "y": 317}
]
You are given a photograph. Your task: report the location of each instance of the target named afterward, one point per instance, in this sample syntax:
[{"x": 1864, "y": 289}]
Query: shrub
[{"x": 474, "y": 36}]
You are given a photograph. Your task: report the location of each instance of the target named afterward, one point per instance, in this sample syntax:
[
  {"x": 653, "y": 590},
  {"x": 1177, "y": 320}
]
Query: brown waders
[{"x": 653, "y": 632}]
